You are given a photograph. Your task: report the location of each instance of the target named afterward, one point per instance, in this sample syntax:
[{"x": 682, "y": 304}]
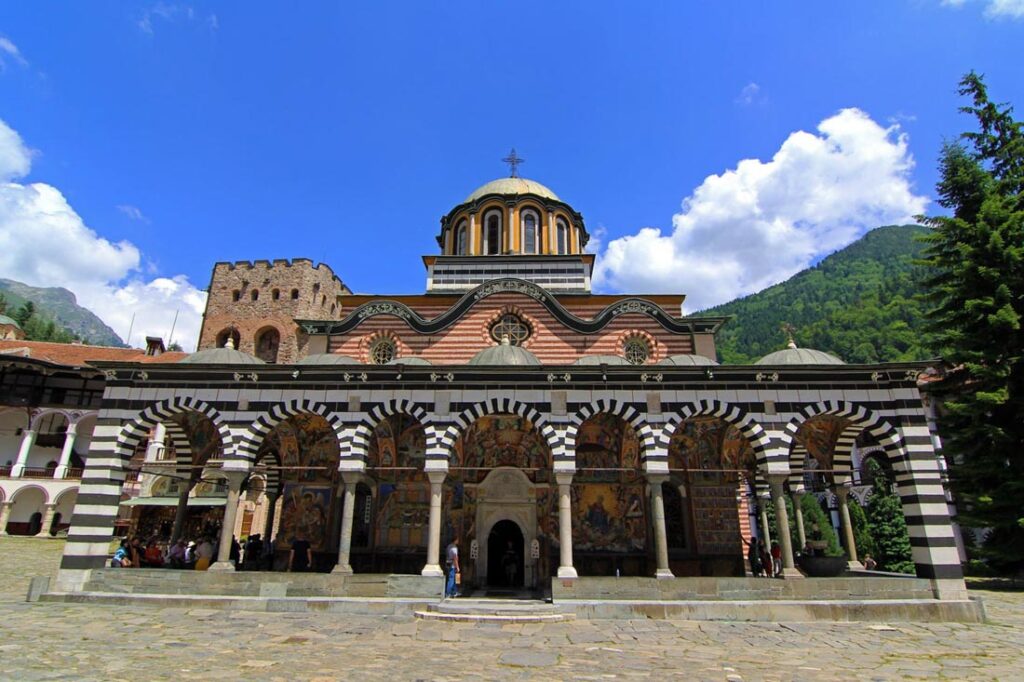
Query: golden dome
[{"x": 512, "y": 186}]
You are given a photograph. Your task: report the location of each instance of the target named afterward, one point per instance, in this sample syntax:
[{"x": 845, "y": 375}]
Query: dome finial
[
  {"x": 513, "y": 162},
  {"x": 505, "y": 340},
  {"x": 789, "y": 330},
  {"x": 230, "y": 343}
]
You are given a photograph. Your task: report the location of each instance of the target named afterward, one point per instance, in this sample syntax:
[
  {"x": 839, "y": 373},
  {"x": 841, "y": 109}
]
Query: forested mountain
[
  {"x": 859, "y": 304},
  {"x": 58, "y": 305}
]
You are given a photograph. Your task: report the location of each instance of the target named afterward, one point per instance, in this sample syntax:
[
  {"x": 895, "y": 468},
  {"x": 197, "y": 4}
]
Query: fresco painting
[
  {"x": 609, "y": 517},
  {"x": 819, "y": 436},
  {"x": 497, "y": 441},
  {"x": 306, "y": 510}
]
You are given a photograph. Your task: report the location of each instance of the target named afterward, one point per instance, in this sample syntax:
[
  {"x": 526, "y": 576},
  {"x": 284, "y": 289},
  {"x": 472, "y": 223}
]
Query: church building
[{"x": 555, "y": 432}]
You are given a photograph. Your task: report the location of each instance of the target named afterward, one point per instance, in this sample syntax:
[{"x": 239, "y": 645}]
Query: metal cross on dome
[{"x": 513, "y": 160}]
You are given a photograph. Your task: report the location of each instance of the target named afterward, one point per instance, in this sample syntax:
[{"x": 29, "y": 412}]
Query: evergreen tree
[
  {"x": 3, "y": 304},
  {"x": 26, "y": 311},
  {"x": 976, "y": 289},
  {"x": 887, "y": 525},
  {"x": 861, "y": 529}
]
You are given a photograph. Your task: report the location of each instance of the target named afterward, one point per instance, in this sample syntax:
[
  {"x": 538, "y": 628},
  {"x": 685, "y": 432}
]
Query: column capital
[
  {"x": 564, "y": 478},
  {"x": 777, "y": 478},
  {"x": 657, "y": 478},
  {"x": 353, "y": 477},
  {"x": 841, "y": 491},
  {"x": 437, "y": 477}
]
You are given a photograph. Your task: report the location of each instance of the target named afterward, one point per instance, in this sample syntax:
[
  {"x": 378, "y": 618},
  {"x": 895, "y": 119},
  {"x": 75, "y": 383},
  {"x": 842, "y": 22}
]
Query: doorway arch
[{"x": 506, "y": 548}]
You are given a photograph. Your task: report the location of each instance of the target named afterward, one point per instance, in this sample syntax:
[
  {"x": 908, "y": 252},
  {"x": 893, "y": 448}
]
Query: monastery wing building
[{"x": 556, "y": 433}]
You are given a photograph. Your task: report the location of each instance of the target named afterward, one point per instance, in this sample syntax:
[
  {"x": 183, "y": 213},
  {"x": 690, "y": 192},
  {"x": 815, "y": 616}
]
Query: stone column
[
  {"x": 347, "y": 515},
  {"x": 5, "y": 513},
  {"x": 268, "y": 526},
  {"x": 227, "y": 529},
  {"x": 775, "y": 482},
  {"x": 180, "y": 512},
  {"x": 762, "y": 508},
  {"x": 28, "y": 439},
  {"x": 658, "y": 516},
  {"x": 798, "y": 510},
  {"x": 842, "y": 492},
  {"x": 156, "y": 445},
  {"x": 471, "y": 237},
  {"x": 44, "y": 528},
  {"x": 65, "y": 454},
  {"x": 565, "y": 567},
  {"x": 433, "y": 567}
]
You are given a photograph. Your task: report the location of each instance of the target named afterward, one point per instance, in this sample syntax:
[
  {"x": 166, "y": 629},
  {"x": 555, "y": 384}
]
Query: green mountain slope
[
  {"x": 61, "y": 306},
  {"x": 857, "y": 303}
]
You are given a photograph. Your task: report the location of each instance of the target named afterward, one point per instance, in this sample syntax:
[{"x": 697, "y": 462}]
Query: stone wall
[{"x": 252, "y": 298}]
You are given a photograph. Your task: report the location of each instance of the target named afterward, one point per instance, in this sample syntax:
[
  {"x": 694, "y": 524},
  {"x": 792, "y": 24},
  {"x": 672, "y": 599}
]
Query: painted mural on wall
[
  {"x": 498, "y": 441},
  {"x": 203, "y": 437},
  {"x": 395, "y": 458},
  {"x": 308, "y": 451},
  {"x": 608, "y": 491},
  {"x": 819, "y": 436}
]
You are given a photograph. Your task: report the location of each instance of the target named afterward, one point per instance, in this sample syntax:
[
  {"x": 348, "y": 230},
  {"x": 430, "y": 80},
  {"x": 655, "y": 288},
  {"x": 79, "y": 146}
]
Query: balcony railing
[
  {"x": 5, "y": 470},
  {"x": 37, "y": 472},
  {"x": 74, "y": 473}
]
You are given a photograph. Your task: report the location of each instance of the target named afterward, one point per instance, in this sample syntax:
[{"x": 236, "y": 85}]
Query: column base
[
  {"x": 788, "y": 573},
  {"x": 432, "y": 571},
  {"x": 43, "y": 533},
  {"x": 60, "y": 472},
  {"x": 854, "y": 566},
  {"x": 17, "y": 471},
  {"x": 953, "y": 589},
  {"x": 567, "y": 572},
  {"x": 341, "y": 569},
  {"x": 222, "y": 566},
  {"x": 663, "y": 573}
]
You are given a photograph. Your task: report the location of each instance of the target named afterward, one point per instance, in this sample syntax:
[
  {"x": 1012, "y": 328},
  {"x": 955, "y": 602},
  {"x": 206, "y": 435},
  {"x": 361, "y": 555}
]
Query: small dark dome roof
[
  {"x": 601, "y": 360},
  {"x": 687, "y": 360},
  {"x": 412, "y": 360},
  {"x": 328, "y": 359},
  {"x": 504, "y": 354},
  {"x": 799, "y": 356}
]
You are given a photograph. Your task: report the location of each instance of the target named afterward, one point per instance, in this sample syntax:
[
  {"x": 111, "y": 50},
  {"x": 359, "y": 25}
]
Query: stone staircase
[{"x": 486, "y": 610}]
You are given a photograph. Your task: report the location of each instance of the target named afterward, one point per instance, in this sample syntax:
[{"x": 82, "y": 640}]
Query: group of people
[
  {"x": 764, "y": 561},
  {"x": 195, "y": 554}
]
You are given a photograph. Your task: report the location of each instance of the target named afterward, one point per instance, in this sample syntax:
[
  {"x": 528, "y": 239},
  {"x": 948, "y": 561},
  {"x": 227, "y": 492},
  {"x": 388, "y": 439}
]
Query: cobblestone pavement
[{"x": 93, "y": 642}]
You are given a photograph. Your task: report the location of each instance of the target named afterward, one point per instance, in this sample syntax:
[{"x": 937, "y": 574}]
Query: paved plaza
[{"x": 93, "y": 642}]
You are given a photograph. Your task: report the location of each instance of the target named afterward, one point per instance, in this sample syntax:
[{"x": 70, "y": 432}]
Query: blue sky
[{"x": 200, "y": 132}]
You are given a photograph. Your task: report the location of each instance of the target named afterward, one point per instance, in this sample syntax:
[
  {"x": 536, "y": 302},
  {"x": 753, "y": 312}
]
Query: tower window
[
  {"x": 461, "y": 243},
  {"x": 275, "y": 294},
  {"x": 562, "y": 234},
  {"x": 492, "y": 235},
  {"x": 512, "y": 326},
  {"x": 529, "y": 232},
  {"x": 636, "y": 351},
  {"x": 236, "y": 295},
  {"x": 295, "y": 294},
  {"x": 382, "y": 352},
  {"x": 255, "y": 295}
]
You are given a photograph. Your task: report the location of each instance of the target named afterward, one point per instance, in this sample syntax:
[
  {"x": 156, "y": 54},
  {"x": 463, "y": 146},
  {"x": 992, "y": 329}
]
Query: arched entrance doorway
[{"x": 505, "y": 551}]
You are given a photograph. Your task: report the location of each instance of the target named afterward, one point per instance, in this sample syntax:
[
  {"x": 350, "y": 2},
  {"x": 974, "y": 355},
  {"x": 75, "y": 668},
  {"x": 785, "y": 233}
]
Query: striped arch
[
  {"x": 860, "y": 419},
  {"x": 797, "y": 462},
  {"x": 625, "y": 411},
  {"x": 751, "y": 430},
  {"x": 360, "y": 443},
  {"x": 446, "y": 440},
  {"x": 138, "y": 428},
  {"x": 272, "y": 476},
  {"x": 249, "y": 445}
]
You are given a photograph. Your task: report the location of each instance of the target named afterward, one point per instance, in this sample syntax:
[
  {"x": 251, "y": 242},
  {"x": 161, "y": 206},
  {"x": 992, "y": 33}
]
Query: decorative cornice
[{"x": 421, "y": 325}]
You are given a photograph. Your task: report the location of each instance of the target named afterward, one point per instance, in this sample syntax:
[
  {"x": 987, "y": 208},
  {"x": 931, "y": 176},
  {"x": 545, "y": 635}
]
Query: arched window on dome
[
  {"x": 530, "y": 223},
  {"x": 562, "y": 236},
  {"x": 492, "y": 232},
  {"x": 268, "y": 341},
  {"x": 461, "y": 239}
]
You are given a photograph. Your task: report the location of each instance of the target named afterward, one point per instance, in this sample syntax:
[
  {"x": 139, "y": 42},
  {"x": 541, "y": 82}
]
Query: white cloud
[
  {"x": 995, "y": 9},
  {"x": 133, "y": 212},
  {"x": 749, "y": 94},
  {"x": 171, "y": 13},
  {"x": 44, "y": 242},
  {"x": 757, "y": 224},
  {"x": 10, "y": 51}
]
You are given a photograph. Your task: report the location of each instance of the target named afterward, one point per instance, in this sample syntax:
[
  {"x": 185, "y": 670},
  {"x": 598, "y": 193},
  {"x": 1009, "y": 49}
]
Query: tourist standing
[
  {"x": 776, "y": 559},
  {"x": 754, "y": 557},
  {"x": 300, "y": 558},
  {"x": 204, "y": 554},
  {"x": 452, "y": 562}
]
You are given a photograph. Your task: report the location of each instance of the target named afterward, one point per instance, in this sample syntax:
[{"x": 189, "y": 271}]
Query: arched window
[
  {"x": 226, "y": 335},
  {"x": 492, "y": 233},
  {"x": 235, "y": 295},
  {"x": 295, "y": 294},
  {"x": 268, "y": 342},
  {"x": 255, "y": 295},
  {"x": 530, "y": 223},
  {"x": 275, "y": 294},
  {"x": 461, "y": 241},
  {"x": 562, "y": 236},
  {"x": 512, "y": 327}
]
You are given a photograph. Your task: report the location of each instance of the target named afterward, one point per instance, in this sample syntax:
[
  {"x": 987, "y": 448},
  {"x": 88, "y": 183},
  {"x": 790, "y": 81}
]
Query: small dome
[
  {"x": 799, "y": 356},
  {"x": 504, "y": 354},
  {"x": 328, "y": 359},
  {"x": 687, "y": 360},
  {"x": 512, "y": 186},
  {"x": 413, "y": 360},
  {"x": 601, "y": 360},
  {"x": 8, "y": 320},
  {"x": 220, "y": 356}
]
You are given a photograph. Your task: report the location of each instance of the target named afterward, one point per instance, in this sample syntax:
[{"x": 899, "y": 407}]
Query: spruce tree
[
  {"x": 861, "y": 529},
  {"x": 975, "y": 283},
  {"x": 887, "y": 524}
]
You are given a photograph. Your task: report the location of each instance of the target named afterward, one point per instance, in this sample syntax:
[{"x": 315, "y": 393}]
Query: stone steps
[{"x": 496, "y": 611}]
